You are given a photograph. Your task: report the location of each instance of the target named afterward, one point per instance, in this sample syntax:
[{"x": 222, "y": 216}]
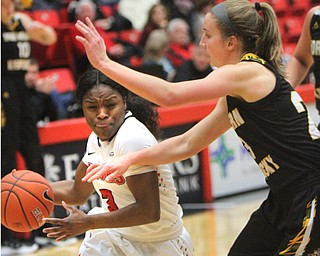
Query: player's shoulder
[
  {"x": 244, "y": 70},
  {"x": 134, "y": 130}
]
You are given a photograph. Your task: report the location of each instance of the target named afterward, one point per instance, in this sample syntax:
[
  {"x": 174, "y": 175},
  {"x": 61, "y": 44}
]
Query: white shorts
[{"x": 108, "y": 242}]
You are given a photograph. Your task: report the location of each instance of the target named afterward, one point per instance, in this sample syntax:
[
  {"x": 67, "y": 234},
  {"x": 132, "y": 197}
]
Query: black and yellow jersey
[
  {"x": 278, "y": 132},
  {"x": 15, "y": 49}
]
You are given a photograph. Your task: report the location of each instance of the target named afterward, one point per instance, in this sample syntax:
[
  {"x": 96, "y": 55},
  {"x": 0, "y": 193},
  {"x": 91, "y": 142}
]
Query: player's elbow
[{"x": 152, "y": 214}]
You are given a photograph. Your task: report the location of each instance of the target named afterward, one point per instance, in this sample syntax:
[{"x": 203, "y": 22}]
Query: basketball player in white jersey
[{"x": 140, "y": 214}]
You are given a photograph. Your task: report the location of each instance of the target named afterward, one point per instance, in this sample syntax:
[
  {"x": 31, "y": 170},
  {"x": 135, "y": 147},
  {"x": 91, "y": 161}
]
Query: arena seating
[{"x": 290, "y": 15}]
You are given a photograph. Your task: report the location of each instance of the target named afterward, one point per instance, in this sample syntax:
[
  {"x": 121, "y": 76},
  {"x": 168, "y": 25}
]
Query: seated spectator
[
  {"x": 182, "y": 9},
  {"x": 195, "y": 68},
  {"x": 154, "y": 54},
  {"x": 158, "y": 18},
  {"x": 39, "y": 90},
  {"x": 43, "y": 90},
  {"x": 179, "y": 42},
  {"x": 78, "y": 10},
  {"x": 118, "y": 49}
]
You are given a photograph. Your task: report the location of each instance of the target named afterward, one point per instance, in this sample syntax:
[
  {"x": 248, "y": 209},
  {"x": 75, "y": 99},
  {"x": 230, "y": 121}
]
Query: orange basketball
[{"x": 26, "y": 197}]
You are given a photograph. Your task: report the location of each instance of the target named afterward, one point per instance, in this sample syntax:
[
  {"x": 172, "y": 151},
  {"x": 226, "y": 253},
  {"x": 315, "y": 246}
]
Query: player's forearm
[
  {"x": 167, "y": 151},
  {"x": 129, "y": 216},
  {"x": 296, "y": 71},
  {"x": 64, "y": 191},
  {"x": 149, "y": 87}
]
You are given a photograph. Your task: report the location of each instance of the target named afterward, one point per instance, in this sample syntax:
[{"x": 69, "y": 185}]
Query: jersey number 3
[{"x": 107, "y": 195}]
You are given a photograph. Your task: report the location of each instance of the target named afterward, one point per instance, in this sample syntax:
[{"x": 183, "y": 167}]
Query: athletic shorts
[
  {"x": 285, "y": 224},
  {"x": 109, "y": 242}
]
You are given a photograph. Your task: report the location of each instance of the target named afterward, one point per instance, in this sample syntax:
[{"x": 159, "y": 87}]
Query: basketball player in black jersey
[
  {"x": 18, "y": 129},
  {"x": 307, "y": 54},
  {"x": 271, "y": 120}
]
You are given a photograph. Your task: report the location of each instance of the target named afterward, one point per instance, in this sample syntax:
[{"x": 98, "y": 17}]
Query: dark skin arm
[
  {"x": 73, "y": 192},
  {"x": 146, "y": 209}
]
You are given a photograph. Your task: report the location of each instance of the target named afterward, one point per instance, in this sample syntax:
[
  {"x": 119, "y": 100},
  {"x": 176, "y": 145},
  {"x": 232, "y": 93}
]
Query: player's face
[
  {"x": 104, "y": 110},
  {"x": 213, "y": 41}
]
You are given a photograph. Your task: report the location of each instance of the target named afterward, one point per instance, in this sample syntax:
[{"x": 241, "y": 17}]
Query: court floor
[{"x": 213, "y": 226}]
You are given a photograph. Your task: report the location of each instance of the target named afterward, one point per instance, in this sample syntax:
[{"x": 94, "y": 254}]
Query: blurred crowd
[
  {"x": 154, "y": 36},
  {"x": 158, "y": 37}
]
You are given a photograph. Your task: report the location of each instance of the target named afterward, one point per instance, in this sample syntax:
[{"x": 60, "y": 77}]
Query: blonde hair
[
  {"x": 255, "y": 24},
  {"x": 155, "y": 45}
]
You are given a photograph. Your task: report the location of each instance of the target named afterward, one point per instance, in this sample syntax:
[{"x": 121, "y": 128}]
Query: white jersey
[{"x": 133, "y": 136}]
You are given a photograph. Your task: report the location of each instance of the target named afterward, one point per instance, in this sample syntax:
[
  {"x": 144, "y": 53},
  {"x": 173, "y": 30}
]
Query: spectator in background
[
  {"x": 158, "y": 18},
  {"x": 48, "y": 86},
  {"x": 154, "y": 54},
  {"x": 118, "y": 49},
  {"x": 307, "y": 54},
  {"x": 179, "y": 42},
  {"x": 39, "y": 92},
  {"x": 195, "y": 68},
  {"x": 78, "y": 10},
  {"x": 182, "y": 9},
  {"x": 18, "y": 129}
]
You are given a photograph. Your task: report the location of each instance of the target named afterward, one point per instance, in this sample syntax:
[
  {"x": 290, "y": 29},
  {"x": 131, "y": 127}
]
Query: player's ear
[{"x": 232, "y": 42}]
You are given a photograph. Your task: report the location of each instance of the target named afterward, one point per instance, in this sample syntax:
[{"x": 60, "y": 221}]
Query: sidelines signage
[{"x": 232, "y": 168}]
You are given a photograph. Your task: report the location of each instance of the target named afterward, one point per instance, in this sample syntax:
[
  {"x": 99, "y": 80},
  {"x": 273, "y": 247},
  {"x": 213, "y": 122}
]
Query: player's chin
[{"x": 104, "y": 134}]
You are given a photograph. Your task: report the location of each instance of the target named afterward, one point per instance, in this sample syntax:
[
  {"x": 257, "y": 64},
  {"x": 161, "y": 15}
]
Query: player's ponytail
[{"x": 268, "y": 44}]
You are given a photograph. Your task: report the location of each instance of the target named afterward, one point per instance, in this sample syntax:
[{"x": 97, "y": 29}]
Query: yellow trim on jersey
[{"x": 254, "y": 57}]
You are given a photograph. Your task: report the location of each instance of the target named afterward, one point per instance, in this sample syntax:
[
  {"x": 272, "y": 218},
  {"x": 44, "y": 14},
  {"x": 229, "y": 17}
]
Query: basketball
[{"x": 26, "y": 198}]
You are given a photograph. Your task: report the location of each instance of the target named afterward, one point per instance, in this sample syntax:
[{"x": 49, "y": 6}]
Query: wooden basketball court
[{"x": 213, "y": 226}]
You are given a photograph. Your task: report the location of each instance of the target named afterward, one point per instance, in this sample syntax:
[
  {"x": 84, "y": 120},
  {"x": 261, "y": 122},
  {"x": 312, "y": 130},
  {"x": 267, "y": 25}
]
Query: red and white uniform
[{"x": 164, "y": 237}]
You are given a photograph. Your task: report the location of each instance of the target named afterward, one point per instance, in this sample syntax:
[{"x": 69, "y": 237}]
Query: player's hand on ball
[{"x": 75, "y": 224}]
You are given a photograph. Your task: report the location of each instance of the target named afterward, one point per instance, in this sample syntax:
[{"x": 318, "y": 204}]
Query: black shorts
[{"x": 285, "y": 224}]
